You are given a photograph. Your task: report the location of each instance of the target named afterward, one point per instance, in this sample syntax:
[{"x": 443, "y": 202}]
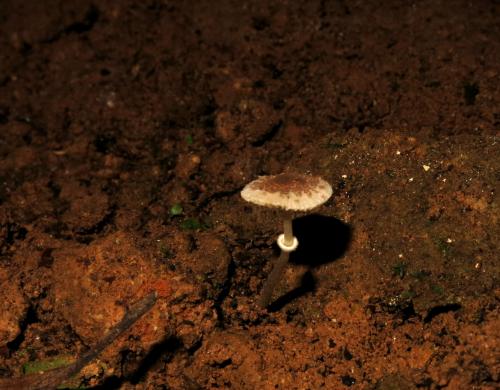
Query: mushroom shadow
[
  {"x": 322, "y": 240},
  {"x": 307, "y": 284}
]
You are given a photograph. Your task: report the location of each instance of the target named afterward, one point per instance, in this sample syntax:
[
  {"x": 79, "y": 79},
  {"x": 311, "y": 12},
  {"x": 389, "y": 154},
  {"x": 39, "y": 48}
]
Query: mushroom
[{"x": 291, "y": 192}]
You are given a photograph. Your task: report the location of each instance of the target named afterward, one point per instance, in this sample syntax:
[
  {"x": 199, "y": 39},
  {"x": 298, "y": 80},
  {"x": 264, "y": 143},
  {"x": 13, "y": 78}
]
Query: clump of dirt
[
  {"x": 14, "y": 307},
  {"x": 127, "y": 131}
]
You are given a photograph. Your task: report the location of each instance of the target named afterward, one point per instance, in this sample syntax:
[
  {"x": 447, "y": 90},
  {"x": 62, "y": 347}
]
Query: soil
[{"x": 127, "y": 131}]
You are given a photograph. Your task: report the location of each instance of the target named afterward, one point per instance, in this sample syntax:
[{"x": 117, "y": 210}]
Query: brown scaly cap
[{"x": 289, "y": 191}]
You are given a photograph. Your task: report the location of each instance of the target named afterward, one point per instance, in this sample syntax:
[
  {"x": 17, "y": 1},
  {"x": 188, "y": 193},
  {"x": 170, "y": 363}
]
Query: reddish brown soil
[{"x": 127, "y": 130}]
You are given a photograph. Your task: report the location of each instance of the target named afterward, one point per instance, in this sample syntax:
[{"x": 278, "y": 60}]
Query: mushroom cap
[{"x": 289, "y": 191}]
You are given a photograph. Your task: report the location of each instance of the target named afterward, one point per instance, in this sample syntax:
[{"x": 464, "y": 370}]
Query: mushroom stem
[
  {"x": 273, "y": 279},
  {"x": 287, "y": 224}
]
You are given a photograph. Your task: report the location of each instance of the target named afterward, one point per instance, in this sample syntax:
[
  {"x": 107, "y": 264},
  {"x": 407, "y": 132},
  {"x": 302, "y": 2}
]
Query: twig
[{"x": 51, "y": 379}]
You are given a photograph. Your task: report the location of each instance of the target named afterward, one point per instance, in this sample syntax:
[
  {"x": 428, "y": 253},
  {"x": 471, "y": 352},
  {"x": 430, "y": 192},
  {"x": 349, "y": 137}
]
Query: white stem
[
  {"x": 287, "y": 224},
  {"x": 273, "y": 279}
]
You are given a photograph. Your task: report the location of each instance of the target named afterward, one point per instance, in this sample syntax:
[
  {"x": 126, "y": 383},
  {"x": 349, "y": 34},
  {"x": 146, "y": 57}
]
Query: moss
[
  {"x": 38, "y": 366},
  {"x": 191, "y": 224},
  {"x": 194, "y": 224},
  {"x": 176, "y": 210}
]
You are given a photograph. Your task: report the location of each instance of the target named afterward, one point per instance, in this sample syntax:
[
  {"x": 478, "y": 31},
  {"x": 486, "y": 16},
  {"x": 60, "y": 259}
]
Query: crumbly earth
[{"x": 128, "y": 129}]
